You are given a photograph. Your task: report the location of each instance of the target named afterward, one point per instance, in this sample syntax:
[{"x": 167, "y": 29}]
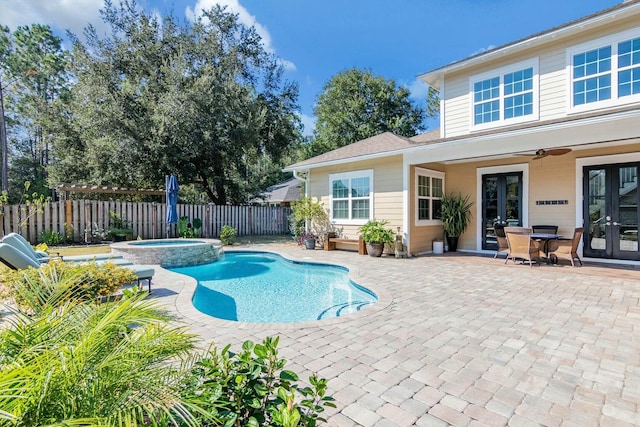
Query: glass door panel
[
  {"x": 501, "y": 202},
  {"x": 597, "y": 210},
  {"x": 491, "y": 215},
  {"x": 612, "y": 208},
  {"x": 627, "y": 209}
]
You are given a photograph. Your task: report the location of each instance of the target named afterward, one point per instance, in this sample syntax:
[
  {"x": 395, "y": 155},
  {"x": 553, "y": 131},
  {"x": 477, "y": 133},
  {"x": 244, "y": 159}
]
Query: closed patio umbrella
[{"x": 172, "y": 201}]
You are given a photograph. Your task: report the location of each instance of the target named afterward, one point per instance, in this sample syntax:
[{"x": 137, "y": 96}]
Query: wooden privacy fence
[{"x": 86, "y": 218}]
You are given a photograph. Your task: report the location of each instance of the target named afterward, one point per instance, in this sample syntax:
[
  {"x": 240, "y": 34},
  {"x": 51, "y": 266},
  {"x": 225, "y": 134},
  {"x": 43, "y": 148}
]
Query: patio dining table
[{"x": 544, "y": 238}]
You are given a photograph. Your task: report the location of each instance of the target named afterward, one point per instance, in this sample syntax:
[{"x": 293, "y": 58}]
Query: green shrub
[
  {"x": 227, "y": 234},
  {"x": 119, "y": 227},
  {"x": 375, "y": 232},
  {"x": 185, "y": 228},
  {"x": 88, "y": 364},
  {"x": 252, "y": 388},
  {"x": 68, "y": 233},
  {"x": 197, "y": 227},
  {"x": 31, "y": 287},
  {"x": 51, "y": 237}
]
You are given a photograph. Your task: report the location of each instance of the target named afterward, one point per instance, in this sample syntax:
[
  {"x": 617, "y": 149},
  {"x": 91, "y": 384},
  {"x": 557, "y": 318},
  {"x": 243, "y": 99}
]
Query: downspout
[
  {"x": 443, "y": 130},
  {"x": 305, "y": 178}
]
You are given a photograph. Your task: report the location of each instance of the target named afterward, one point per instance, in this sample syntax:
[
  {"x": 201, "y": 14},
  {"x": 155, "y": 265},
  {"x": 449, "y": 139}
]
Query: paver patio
[{"x": 460, "y": 340}]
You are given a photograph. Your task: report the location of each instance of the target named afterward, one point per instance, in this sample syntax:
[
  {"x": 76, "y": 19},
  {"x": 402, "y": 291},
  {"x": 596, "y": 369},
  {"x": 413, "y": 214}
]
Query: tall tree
[
  {"x": 204, "y": 101},
  {"x": 34, "y": 64},
  {"x": 355, "y": 105}
]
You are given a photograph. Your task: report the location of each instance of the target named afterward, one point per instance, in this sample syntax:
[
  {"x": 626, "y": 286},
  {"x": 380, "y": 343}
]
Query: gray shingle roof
[
  {"x": 382, "y": 143},
  {"x": 285, "y": 191}
]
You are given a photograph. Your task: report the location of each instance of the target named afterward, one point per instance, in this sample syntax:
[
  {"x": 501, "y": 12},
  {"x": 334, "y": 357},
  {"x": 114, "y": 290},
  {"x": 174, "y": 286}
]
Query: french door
[
  {"x": 501, "y": 202},
  {"x": 611, "y": 211}
]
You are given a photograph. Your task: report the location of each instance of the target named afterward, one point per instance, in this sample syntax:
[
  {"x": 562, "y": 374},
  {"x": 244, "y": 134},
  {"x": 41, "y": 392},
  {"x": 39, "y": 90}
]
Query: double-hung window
[
  {"x": 504, "y": 96},
  {"x": 351, "y": 197},
  {"x": 605, "y": 72},
  {"x": 429, "y": 190}
]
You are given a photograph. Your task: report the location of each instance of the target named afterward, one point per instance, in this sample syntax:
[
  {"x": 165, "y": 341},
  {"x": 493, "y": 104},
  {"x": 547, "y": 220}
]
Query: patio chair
[
  {"x": 521, "y": 245},
  {"x": 16, "y": 259},
  {"x": 567, "y": 248},
  {"x": 20, "y": 243},
  {"x": 501, "y": 238}
]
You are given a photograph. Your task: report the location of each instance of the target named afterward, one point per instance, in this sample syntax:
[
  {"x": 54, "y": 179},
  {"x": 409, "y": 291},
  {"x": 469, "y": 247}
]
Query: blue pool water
[{"x": 265, "y": 287}]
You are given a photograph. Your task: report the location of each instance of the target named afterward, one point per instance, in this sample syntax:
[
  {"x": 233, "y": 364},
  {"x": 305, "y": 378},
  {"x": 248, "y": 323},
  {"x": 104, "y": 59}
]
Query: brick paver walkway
[{"x": 461, "y": 340}]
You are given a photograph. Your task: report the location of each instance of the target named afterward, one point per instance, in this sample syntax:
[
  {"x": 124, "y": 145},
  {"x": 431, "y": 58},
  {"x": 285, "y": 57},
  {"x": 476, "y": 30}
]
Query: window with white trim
[
  {"x": 504, "y": 96},
  {"x": 605, "y": 72},
  {"x": 351, "y": 197},
  {"x": 429, "y": 186}
]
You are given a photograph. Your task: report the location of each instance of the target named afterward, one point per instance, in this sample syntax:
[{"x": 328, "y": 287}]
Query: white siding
[
  {"x": 553, "y": 85},
  {"x": 553, "y": 78},
  {"x": 387, "y": 187},
  {"x": 458, "y": 106}
]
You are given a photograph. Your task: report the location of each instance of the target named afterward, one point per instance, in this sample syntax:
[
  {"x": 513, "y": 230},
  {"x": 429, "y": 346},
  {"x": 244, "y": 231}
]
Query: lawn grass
[{"x": 79, "y": 250}]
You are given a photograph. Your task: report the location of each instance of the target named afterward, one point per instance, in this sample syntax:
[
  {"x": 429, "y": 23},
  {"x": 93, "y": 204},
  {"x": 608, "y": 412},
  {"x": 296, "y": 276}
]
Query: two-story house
[{"x": 544, "y": 130}]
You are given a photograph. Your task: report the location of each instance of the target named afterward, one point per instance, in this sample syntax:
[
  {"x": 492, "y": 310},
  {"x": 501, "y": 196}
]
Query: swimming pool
[{"x": 266, "y": 288}]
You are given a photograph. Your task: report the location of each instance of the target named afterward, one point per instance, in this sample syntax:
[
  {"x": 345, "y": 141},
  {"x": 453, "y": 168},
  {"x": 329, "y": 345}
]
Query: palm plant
[
  {"x": 84, "y": 363},
  {"x": 456, "y": 215}
]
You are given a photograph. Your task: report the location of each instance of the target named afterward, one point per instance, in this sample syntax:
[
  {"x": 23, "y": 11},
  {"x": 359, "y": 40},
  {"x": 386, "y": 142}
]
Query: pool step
[{"x": 342, "y": 309}]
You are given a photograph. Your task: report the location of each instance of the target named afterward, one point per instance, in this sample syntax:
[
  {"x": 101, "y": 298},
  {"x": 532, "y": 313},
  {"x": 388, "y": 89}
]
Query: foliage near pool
[{"x": 71, "y": 360}]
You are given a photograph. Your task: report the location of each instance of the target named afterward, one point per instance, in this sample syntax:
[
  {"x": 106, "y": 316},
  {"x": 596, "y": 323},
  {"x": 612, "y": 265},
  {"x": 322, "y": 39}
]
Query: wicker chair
[
  {"x": 566, "y": 248},
  {"x": 521, "y": 245},
  {"x": 501, "y": 238}
]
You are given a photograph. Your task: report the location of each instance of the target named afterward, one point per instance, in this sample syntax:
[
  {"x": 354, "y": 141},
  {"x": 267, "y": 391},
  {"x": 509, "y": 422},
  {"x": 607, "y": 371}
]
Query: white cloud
[
  {"x": 287, "y": 65},
  {"x": 483, "y": 49},
  {"x": 418, "y": 89},
  {"x": 244, "y": 17},
  {"x": 72, "y": 15},
  {"x": 309, "y": 123}
]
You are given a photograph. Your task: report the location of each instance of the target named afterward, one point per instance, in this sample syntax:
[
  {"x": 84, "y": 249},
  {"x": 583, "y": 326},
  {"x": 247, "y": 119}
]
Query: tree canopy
[
  {"x": 202, "y": 100},
  {"x": 33, "y": 81},
  {"x": 355, "y": 104}
]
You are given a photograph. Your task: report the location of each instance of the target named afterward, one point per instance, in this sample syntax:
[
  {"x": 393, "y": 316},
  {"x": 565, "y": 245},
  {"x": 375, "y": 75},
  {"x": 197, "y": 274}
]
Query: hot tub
[{"x": 169, "y": 252}]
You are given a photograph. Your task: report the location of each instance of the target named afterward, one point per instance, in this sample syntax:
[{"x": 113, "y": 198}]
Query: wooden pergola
[{"x": 64, "y": 190}]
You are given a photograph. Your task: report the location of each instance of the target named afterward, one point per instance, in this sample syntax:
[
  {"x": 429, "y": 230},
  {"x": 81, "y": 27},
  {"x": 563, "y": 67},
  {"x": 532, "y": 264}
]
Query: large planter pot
[
  {"x": 310, "y": 243},
  {"x": 375, "y": 249},
  {"x": 452, "y": 242}
]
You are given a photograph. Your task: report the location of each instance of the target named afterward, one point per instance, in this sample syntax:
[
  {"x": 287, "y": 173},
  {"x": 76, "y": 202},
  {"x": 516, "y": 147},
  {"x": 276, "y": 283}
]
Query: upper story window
[
  {"x": 504, "y": 96},
  {"x": 592, "y": 76},
  {"x": 605, "y": 72},
  {"x": 429, "y": 190},
  {"x": 351, "y": 197},
  {"x": 629, "y": 67}
]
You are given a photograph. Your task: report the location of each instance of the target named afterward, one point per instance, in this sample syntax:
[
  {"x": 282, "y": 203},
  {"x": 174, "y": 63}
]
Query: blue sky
[{"x": 396, "y": 39}]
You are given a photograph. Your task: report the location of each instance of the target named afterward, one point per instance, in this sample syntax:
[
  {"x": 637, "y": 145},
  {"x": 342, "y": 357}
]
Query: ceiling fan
[{"x": 542, "y": 153}]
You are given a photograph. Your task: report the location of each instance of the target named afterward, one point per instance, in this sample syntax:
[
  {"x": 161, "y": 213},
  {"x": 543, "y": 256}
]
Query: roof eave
[{"x": 307, "y": 167}]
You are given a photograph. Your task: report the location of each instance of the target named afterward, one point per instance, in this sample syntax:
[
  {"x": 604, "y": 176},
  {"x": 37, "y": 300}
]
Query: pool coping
[{"x": 187, "y": 285}]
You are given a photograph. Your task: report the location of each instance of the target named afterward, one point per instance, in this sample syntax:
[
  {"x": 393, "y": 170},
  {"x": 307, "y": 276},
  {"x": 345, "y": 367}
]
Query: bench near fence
[{"x": 331, "y": 240}]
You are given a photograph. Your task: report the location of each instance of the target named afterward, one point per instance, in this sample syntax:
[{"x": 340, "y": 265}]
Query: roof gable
[{"x": 376, "y": 145}]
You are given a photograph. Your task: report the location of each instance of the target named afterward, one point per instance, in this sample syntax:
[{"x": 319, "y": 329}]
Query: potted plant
[
  {"x": 456, "y": 215},
  {"x": 376, "y": 235},
  {"x": 308, "y": 240},
  {"x": 314, "y": 217},
  {"x": 120, "y": 227}
]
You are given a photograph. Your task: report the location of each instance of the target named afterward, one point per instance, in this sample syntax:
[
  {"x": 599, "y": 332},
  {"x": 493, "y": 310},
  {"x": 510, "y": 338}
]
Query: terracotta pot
[{"x": 375, "y": 249}]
